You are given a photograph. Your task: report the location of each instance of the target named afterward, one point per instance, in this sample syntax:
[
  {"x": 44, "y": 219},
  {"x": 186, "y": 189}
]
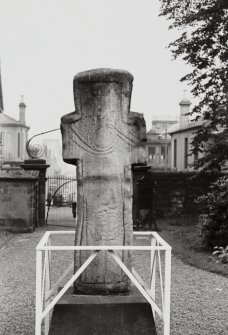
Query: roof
[
  {"x": 191, "y": 125},
  {"x": 155, "y": 137},
  {"x": 6, "y": 120},
  {"x": 152, "y": 132},
  {"x": 160, "y": 126}
]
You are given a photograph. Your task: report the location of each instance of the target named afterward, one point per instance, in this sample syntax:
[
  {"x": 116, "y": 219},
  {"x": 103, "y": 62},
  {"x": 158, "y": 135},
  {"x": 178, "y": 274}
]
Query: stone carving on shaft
[{"x": 103, "y": 139}]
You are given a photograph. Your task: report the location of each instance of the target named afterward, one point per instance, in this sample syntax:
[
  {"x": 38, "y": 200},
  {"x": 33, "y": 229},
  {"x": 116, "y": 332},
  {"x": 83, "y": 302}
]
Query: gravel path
[{"x": 199, "y": 298}]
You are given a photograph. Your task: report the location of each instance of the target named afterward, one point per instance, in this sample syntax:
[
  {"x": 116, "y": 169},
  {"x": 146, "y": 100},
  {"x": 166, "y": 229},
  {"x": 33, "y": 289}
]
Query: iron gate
[{"x": 61, "y": 197}]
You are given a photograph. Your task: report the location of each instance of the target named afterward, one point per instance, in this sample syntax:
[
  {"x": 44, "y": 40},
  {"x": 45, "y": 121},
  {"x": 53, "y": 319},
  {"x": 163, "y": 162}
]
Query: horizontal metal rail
[
  {"x": 100, "y": 248},
  {"x": 44, "y": 291}
]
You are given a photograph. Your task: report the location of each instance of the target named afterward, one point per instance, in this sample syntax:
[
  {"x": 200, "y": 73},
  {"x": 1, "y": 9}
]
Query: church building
[{"x": 13, "y": 133}]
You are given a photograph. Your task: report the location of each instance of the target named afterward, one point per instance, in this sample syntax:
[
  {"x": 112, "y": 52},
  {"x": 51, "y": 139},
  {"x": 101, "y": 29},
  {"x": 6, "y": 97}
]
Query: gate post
[{"x": 41, "y": 166}]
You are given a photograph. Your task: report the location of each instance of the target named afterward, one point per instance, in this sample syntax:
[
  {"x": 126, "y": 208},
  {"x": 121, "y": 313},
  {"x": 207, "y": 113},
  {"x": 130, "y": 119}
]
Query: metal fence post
[
  {"x": 166, "y": 310},
  {"x": 153, "y": 270},
  {"x": 47, "y": 289},
  {"x": 38, "y": 292}
]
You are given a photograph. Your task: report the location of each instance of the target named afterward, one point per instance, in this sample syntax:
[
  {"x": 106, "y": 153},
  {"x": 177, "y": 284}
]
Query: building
[
  {"x": 13, "y": 134},
  {"x": 158, "y": 145},
  {"x": 182, "y": 135},
  {"x": 53, "y": 156}
]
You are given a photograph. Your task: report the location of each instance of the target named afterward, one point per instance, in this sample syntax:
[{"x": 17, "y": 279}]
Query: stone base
[{"x": 102, "y": 315}]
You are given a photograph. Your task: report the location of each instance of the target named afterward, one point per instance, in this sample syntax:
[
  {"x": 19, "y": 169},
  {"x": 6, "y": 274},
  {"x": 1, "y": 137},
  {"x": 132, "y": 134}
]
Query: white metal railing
[{"x": 44, "y": 289}]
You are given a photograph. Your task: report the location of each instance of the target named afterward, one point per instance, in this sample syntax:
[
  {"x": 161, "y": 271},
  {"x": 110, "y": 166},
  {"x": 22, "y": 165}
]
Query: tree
[
  {"x": 204, "y": 45},
  {"x": 213, "y": 221}
]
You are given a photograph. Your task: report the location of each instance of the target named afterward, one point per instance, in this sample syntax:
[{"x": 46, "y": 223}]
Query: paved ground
[
  {"x": 199, "y": 298},
  {"x": 60, "y": 216}
]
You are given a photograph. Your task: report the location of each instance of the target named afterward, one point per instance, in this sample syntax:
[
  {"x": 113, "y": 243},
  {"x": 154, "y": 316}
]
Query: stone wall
[
  {"x": 18, "y": 201},
  {"x": 169, "y": 194}
]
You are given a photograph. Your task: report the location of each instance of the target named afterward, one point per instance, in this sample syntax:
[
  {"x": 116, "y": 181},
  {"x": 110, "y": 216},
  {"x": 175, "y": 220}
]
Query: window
[
  {"x": 1, "y": 144},
  {"x": 1, "y": 138},
  {"x": 22, "y": 146},
  {"x": 151, "y": 151},
  {"x": 162, "y": 153},
  {"x": 186, "y": 153},
  {"x": 18, "y": 145},
  {"x": 175, "y": 154}
]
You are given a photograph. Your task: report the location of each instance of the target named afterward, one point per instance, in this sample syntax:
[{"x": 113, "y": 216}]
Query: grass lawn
[{"x": 183, "y": 236}]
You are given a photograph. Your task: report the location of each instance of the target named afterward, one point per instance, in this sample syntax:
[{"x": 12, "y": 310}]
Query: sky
[{"x": 45, "y": 43}]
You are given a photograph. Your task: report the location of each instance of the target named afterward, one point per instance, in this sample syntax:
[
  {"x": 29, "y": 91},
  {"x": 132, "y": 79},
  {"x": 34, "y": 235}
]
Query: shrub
[
  {"x": 222, "y": 254},
  {"x": 213, "y": 221}
]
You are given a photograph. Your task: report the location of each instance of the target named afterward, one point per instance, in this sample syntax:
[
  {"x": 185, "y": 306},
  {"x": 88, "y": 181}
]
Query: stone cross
[{"x": 103, "y": 139}]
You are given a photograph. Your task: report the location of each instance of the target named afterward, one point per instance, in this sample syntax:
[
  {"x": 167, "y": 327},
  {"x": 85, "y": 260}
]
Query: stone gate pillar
[
  {"x": 41, "y": 166},
  {"x": 103, "y": 139}
]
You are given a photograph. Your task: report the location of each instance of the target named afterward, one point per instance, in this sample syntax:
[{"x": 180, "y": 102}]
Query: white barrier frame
[{"x": 44, "y": 291}]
